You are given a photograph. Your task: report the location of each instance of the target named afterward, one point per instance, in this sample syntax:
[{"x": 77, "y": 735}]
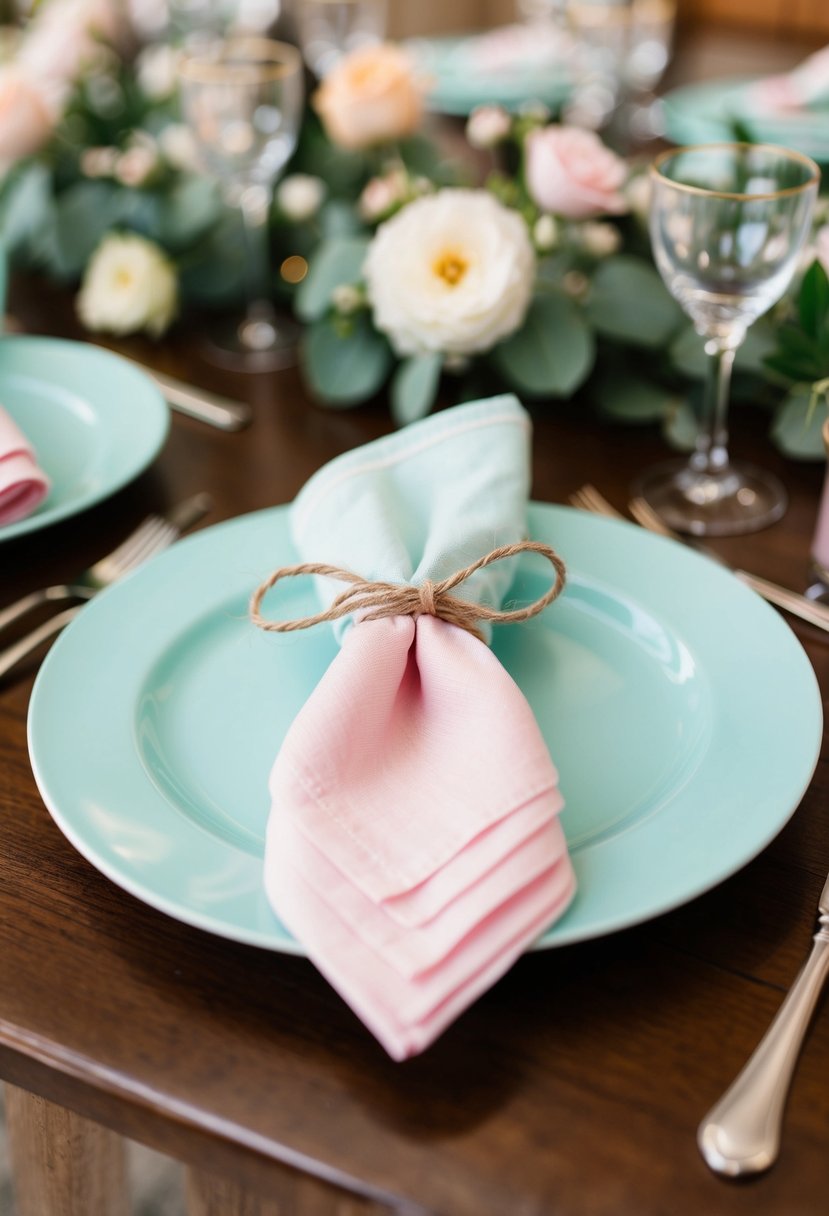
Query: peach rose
[
  {"x": 371, "y": 97},
  {"x": 570, "y": 172},
  {"x": 26, "y": 118}
]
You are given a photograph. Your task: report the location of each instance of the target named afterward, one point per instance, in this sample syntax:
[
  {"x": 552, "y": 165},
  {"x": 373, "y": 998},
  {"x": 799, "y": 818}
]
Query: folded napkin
[
  {"x": 414, "y": 844},
  {"x": 806, "y": 87},
  {"x": 23, "y": 486}
]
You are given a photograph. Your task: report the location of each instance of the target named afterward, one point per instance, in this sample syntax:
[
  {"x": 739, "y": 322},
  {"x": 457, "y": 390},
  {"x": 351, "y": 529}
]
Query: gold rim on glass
[
  {"x": 788, "y": 153},
  {"x": 273, "y": 60}
]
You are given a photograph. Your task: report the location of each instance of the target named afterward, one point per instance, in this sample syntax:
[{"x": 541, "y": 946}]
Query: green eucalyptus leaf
[
  {"x": 629, "y": 302},
  {"x": 552, "y": 353},
  {"x": 629, "y": 398},
  {"x": 334, "y": 262},
  {"x": 339, "y": 218},
  {"x": 813, "y": 300},
  {"x": 687, "y": 351},
  {"x": 797, "y": 430},
  {"x": 188, "y": 211},
  {"x": 25, "y": 206},
  {"x": 344, "y": 364},
  {"x": 414, "y": 387},
  {"x": 83, "y": 215},
  {"x": 680, "y": 426}
]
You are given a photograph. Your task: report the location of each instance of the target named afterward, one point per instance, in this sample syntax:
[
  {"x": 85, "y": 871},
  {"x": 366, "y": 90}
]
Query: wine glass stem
[
  {"x": 255, "y": 205},
  {"x": 711, "y": 454}
]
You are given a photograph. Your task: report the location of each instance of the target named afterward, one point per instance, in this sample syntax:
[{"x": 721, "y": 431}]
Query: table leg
[
  {"x": 63, "y": 1164},
  {"x": 293, "y": 1194}
]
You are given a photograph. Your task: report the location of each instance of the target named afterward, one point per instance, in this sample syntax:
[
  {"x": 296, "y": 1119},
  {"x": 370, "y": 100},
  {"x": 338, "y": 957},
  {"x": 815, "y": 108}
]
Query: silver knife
[
  {"x": 200, "y": 403},
  {"x": 740, "y": 1135}
]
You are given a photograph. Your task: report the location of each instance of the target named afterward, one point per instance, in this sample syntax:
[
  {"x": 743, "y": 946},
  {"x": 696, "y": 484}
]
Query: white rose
[
  {"x": 487, "y": 126},
  {"x": 157, "y": 70},
  {"x": 136, "y": 166},
  {"x": 178, "y": 147},
  {"x": 638, "y": 195},
  {"x": 129, "y": 285},
  {"x": 299, "y": 196},
  {"x": 99, "y": 162},
  {"x": 451, "y": 272},
  {"x": 600, "y": 240},
  {"x": 545, "y": 233},
  {"x": 347, "y": 299}
]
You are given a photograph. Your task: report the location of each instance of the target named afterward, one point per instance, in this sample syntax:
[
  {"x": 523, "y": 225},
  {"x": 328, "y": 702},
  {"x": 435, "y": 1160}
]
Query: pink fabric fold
[
  {"x": 23, "y": 486},
  {"x": 414, "y": 845}
]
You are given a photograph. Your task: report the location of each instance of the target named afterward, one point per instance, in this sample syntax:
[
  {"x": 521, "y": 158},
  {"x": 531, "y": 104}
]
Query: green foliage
[
  {"x": 797, "y": 426},
  {"x": 334, "y": 262},
  {"x": 552, "y": 354},
  {"x": 345, "y": 363},
  {"x": 629, "y": 302},
  {"x": 802, "y": 351},
  {"x": 414, "y": 387}
]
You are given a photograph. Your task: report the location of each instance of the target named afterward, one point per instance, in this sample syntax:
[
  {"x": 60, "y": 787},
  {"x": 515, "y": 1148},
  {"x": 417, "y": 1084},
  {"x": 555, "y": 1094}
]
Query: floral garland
[{"x": 541, "y": 280}]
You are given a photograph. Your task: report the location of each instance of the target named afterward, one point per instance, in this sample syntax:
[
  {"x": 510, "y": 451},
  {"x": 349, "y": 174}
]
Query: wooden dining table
[{"x": 574, "y": 1087}]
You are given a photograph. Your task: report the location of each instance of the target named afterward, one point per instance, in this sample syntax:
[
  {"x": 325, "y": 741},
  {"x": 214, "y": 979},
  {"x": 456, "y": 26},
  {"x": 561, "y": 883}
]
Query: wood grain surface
[{"x": 574, "y": 1087}]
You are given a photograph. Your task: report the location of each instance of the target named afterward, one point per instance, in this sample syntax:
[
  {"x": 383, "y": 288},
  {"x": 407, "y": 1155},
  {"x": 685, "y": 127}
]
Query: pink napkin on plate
[
  {"x": 414, "y": 844},
  {"x": 23, "y": 486}
]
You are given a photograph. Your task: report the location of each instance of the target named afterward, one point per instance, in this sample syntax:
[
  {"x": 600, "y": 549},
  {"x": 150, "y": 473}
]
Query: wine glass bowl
[
  {"x": 728, "y": 224},
  {"x": 242, "y": 98},
  {"x": 329, "y": 29}
]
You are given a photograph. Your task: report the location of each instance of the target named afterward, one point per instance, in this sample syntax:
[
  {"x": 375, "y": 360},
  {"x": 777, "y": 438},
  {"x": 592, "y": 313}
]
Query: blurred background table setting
[{"x": 353, "y": 858}]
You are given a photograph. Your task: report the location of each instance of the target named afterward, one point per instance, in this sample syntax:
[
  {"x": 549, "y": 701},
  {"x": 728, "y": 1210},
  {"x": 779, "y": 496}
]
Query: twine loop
[{"x": 373, "y": 600}]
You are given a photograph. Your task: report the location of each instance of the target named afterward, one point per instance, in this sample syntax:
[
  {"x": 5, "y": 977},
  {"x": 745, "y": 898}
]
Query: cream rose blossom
[
  {"x": 372, "y": 96},
  {"x": 129, "y": 285},
  {"x": 570, "y": 172},
  {"x": 452, "y": 272}
]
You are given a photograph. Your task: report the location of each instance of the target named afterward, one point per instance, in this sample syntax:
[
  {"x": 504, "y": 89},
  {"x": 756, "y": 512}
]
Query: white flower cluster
[
  {"x": 452, "y": 272},
  {"x": 129, "y": 285}
]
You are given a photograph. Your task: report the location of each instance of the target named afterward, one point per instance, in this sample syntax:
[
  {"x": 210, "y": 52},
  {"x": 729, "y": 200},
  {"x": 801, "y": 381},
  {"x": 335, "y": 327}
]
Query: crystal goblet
[
  {"x": 329, "y": 29},
  {"x": 242, "y": 98},
  {"x": 728, "y": 223}
]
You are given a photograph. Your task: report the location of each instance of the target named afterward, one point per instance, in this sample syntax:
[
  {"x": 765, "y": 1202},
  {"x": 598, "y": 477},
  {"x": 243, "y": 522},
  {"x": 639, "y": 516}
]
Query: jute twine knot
[{"x": 374, "y": 600}]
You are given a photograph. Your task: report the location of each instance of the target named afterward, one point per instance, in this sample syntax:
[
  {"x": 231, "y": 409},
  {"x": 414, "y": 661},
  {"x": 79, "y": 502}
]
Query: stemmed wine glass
[
  {"x": 242, "y": 98},
  {"x": 728, "y": 223},
  {"x": 329, "y": 29}
]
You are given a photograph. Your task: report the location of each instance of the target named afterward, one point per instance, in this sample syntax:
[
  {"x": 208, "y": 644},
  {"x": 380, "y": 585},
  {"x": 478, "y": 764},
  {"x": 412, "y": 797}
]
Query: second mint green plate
[
  {"x": 681, "y": 711},
  {"x": 706, "y": 113},
  {"x": 94, "y": 420}
]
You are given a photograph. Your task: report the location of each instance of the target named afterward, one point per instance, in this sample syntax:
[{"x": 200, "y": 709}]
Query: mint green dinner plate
[
  {"x": 706, "y": 113},
  {"x": 456, "y": 84},
  {"x": 681, "y": 710},
  {"x": 94, "y": 420}
]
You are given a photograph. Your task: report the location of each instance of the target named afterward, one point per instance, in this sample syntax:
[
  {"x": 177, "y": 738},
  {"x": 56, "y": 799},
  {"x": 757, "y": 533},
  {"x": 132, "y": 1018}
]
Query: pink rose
[
  {"x": 570, "y": 172},
  {"x": 64, "y": 37},
  {"x": 371, "y": 97},
  {"x": 26, "y": 118}
]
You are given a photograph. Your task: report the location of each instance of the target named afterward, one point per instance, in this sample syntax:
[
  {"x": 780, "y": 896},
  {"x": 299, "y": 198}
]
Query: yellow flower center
[
  {"x": 450, "y": 266},
  {"x": 123, "y": 278}
]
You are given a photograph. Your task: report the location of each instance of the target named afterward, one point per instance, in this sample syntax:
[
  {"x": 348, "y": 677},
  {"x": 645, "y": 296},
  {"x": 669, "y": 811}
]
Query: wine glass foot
[
  {"x": 256, "y": 344},
  {"x": 725, "y": 502}
]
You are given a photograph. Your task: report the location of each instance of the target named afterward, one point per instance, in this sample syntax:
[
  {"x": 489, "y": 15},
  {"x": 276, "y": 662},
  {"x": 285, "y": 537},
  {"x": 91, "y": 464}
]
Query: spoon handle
[{"x": 741, "y": 1134}]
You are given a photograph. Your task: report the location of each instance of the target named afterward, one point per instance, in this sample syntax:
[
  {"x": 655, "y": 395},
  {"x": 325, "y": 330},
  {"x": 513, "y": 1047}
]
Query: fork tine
[
  {"x": 135, "y": 540},
  {"x": 154, "y": 534},
  {"x": 646, "y": 517},
  {"x": 588, "y": 498}
]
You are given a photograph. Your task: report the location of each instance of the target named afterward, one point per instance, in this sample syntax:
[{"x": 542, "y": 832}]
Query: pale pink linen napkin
[
  {"x": 23, "y": 486},
  {"x": 414, "y": 844}
]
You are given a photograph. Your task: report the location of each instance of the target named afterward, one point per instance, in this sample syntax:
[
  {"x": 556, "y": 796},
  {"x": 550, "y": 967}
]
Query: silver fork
[
  {"x": 588, "y": 498},
  {"x": 150, "y": 537}
]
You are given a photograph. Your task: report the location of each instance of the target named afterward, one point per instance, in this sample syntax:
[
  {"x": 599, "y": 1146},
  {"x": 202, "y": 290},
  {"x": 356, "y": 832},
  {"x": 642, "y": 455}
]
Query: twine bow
[{"x": 374, "y": 600}]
